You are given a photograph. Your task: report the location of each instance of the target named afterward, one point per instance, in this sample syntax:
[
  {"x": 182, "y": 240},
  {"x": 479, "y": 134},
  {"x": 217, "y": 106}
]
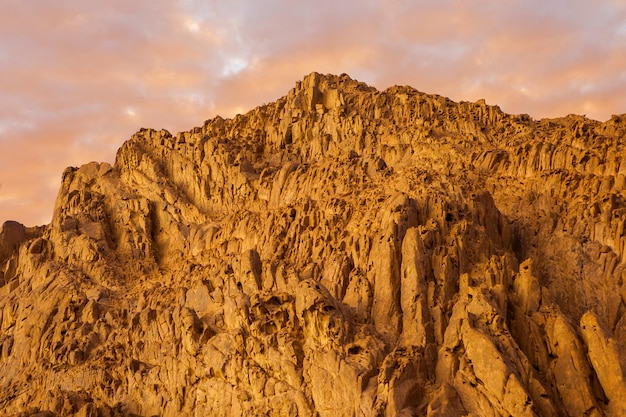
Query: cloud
[{"x": 78, "y": 78}]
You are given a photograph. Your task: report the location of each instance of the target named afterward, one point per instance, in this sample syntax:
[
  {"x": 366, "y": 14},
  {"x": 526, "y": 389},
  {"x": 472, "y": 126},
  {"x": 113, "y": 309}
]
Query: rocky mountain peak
[{"x": 341, "y": 251}]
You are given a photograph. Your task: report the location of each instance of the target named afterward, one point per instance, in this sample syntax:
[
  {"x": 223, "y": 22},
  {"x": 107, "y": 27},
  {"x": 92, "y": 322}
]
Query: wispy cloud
[{"x": 78, "y": 78}]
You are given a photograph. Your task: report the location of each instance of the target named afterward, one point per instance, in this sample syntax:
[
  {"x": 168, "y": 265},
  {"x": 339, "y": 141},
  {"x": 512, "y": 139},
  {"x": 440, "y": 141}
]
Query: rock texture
[{"x": 342, "y": 251}]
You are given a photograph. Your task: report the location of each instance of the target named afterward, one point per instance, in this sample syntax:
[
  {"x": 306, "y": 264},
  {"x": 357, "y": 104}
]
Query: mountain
[{"x": 342, "y": 251}]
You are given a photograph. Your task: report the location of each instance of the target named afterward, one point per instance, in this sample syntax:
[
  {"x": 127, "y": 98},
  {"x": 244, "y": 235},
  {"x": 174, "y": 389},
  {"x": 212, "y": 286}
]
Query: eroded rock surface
[{"x": 342, "y": 251}]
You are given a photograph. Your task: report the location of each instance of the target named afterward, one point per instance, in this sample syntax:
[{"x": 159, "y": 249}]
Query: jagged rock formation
[{"x": 340, "y": 252}]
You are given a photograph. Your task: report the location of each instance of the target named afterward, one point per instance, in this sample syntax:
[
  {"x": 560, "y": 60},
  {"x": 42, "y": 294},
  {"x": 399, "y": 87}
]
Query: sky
[{"x": 79, "y": 77}]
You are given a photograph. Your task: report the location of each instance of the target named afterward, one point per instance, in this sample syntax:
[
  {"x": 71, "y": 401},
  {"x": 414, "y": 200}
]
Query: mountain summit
[{"x": 342, "y": 251}]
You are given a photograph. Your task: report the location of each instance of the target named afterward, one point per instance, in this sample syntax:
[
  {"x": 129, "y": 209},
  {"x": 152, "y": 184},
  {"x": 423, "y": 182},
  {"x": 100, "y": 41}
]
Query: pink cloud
[{"x": 78, "y": 78}]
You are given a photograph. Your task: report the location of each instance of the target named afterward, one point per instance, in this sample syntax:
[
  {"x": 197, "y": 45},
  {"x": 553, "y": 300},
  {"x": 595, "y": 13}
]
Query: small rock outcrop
[{"x": 342, "y": 251}]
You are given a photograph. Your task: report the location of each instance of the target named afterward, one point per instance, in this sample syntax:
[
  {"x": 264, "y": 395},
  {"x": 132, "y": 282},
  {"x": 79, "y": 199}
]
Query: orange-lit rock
[{"x": 342, "y": 251}]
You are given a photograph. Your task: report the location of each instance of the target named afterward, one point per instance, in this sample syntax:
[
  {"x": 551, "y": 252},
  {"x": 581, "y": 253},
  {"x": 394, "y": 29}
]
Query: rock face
[{"x": 340, "y": 252}]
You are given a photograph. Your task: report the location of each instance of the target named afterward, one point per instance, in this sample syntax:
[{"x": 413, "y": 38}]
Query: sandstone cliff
[{"x": 342, "y": 251}]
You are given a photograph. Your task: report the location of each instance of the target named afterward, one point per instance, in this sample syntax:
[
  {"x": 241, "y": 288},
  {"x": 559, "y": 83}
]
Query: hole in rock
[{"x": 355, "y": 350}]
